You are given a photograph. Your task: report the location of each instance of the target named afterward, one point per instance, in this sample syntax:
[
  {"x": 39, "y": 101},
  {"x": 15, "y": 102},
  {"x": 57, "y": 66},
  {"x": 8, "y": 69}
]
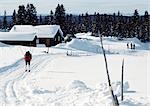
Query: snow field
[{"x": 78, "y": 79}]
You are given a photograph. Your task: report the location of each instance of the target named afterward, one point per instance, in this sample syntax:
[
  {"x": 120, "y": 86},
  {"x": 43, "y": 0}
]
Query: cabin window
[
  {"x": 55, "y": 39},
  {"x": 37, "y": 41},
  {"x": 14, "y": 28},
  {"x": 59, "y": 39}
]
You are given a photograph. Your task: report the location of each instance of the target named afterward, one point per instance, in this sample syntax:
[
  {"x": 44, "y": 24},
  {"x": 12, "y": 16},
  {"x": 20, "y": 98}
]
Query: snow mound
[
  {"x": 135, "y": 40},
  {"x": 103, "y": 87},
  {"x": 40, "y": 91},
  {"x": 87, "y": 36},
  {"x": 78, "y": 85},
  {"x": 83, "y": 34},
  {"x": 84, "y": 45}
]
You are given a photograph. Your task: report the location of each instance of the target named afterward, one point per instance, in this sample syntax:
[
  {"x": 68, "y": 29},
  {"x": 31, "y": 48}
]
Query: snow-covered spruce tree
[
  {"x": 60, "y": 14},
  {"x": 21, "y": 15},
  {"x": 14, "y": 18},
  {"x": 4, "y": 23},
  {"x": 51, "y": 18},
  {"x": 93, "y": 24},
  {"x": 147, "y": 25},
  {"x": 82, "y": 25},
  {"x": 87, "y": 22},
  {"x": 135, "y": 20},
  {"x": 31, "y": 14},
  {"x": 60, "y": 17},
  {"x": 145, "y": 28},
  {"x": 114, "y": 25},
  {"x": 98, "y": 22},
  {"x": 121, "y": 27},
  {"x": 104, "y": 26},
  {"x": 70, "y": 24}
]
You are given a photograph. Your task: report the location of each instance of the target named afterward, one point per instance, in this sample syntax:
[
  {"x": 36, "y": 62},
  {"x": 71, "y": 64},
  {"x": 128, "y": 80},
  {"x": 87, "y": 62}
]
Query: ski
[{"x": 27, "y": 70}]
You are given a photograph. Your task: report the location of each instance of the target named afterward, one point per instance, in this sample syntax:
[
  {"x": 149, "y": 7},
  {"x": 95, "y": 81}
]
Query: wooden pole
[
  {"x": 122, "y": 77},
  {"x": 48, "y": 44}
]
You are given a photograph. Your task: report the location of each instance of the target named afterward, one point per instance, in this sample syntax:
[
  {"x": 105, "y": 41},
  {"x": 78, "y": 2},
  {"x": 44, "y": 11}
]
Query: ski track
[
  {"x": 12, "y": 97},
  {"x": 8, "y": 90}
]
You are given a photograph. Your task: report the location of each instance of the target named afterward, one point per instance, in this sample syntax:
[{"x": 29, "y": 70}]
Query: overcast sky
[{"x": 79, "y": 6}]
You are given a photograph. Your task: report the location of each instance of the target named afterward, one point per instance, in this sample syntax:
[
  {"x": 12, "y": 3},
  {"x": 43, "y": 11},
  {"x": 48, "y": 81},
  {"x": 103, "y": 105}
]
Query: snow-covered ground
[{"x": 76, "y": 79}]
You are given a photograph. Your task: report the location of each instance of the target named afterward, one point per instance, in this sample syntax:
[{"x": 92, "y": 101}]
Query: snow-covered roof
[
  {"x": 23, "y": 28},
  {"x": 42, "y": 31},
  {"x": 17, "y": 36},
  {"x": 3, "y": 45}
]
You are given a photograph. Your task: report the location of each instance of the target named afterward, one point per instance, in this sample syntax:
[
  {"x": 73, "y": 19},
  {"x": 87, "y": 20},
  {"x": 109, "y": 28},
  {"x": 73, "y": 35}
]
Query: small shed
[{"x": 16, "y": 38}]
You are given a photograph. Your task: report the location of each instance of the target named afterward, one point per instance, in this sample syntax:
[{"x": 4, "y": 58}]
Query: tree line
[{"x": 114, "y": 24}]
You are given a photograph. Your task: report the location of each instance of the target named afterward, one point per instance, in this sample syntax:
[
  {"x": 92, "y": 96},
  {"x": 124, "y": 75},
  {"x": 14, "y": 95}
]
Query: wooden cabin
[
  {"x": 50, "y": 35},
  {"x": 16, "y": 38}
]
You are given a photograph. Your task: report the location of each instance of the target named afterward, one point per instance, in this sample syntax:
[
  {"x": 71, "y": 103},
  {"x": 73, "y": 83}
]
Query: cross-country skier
[{"x": 27, "y": 58}]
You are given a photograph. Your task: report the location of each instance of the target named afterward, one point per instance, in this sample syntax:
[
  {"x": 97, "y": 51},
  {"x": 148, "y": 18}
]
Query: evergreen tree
[
  {"x": 83, "y": 27},
  {"x": 87, "y": 22},
  {"x": 79, "y": 23},
  {"x": 110, "y": 24},
  {"x": 93, "y": 24},
  {"x": 98, "y": 23},
  {"x": 14, "y": 18},
  {"x": 4, "y": 23},
  {"x": 69, "y": 23},
  {"x": 135, "y": 20},
  {"x": 79, "y": 18},
  {"x": 146, "y": 16},
  {"x": 31, "y": 14},
  {"x": 114, "y": 25},
  {"x": 118, "y": 13},
  {"x": 135, "y": 16},
  {"x": 121, "y": 27},
  {"x": 21, "y": 16},
  {"x": 40, "y": 20},
  {"x": 46, "y": 20},
  {"x": 0, "y": 24},
  {"x": 145, "y": 31},
  {"x": 51, "y": 18},
  {"x": 60, "y": 16},
  {"x": 105, "y": 25}
]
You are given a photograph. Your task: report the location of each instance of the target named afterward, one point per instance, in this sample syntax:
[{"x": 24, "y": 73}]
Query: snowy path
[{"x": 15, "y": 74}]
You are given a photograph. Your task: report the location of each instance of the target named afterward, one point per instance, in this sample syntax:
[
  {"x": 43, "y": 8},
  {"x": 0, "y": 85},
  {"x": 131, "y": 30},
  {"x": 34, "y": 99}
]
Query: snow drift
[{"x": 84, "y": 45}]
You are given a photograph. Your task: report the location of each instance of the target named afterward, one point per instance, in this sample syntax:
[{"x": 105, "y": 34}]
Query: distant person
[
  {"x": 127, "y": 45},
  {"x": 131, "y": 45},
  {"x": 27, "y": 58}
]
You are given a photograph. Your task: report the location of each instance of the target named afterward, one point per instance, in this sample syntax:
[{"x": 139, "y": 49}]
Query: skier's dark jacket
[{"x": 27, "y": 56}]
